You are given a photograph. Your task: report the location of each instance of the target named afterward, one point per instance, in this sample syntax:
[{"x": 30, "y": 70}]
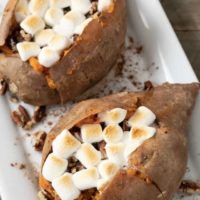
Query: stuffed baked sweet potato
[
  {"x": 127, "y": 146},
  {"x": 52, "y": 51}
]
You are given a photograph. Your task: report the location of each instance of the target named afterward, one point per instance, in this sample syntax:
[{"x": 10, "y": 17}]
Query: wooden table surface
[{"x": 185, "y": 18}]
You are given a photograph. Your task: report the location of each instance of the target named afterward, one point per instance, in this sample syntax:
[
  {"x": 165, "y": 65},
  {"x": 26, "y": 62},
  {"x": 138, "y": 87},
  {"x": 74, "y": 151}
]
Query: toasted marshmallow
[
  {"x": 136, "y": 138},
  {"x": 91, "y": 133},
  {"x": 48, "y": 57},
  {"x": 65, "y": 144},
  {"x": 54, "y": 167},
  {"x": 114, "y": 116},
  {"x": 58, "y": 43},
  {"x": 141, "y": 133},
  {"x": 53, "y": 16},
  {"x": 104, "y": 5},
  {"x": 65, "y": 187},
  {"x": 32, "y": 24},
  {"x": 82, "y": 6},
  {"x": 142, "y": 117},
  {"x": 38, "y": 7},
  {"x": 88, "y": 155},
  {"x": 44, "y": 37},
  {"x": 60, "y": 3},
  {"x": 115, "y": 153},
  {"x": 21, "y": 10},
  {"x": 107, "y": 169},
  {"x": 113, "y": 133},
  {"x": 86, "y": 178},
  {"x": 79, "y": 29},
  {"x": 101, "y": 184},
  {"x": 27, "y": 50}
]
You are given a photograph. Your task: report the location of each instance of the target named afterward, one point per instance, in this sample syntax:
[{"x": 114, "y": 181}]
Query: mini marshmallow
[
  {"x": 141, "y": 133},
  {"x": 113, "y": 133},
  {"x": 44, "y": 37},
  {"x": 115, "y": 153},
  {"x": 38, "y": 7},
  {"x": 65, "y": 187},
  {"x": 53, "y": 16},
  {"x": 88, "y": 155},
  {"x": 130, "y": 148},
  {"x": 21, "y": 10},
  {"x": 58, "y": 43},
  {"x": 48, "y": 57},
  {"x": 66, "y": 30},
  {"x": 103, "y": 5},
  {"x": 27, "y": 50},
  {"x": 54, "y": 167},
  {"x": 60, "y": 3},
  {"x": 101, "y": 184},
  {"x": 114, "y": 116},
  {"x": 65, "y": 144},
  {"x": 68, "y": 23},
  {"x": 91, "y": 133},
  {"x": 142, "y": 117},
  {"x": 75, "y": 16},
  {"x": 66, "y": 27},
  {"x": 32, "y": 24},
  {"x": 125, "y": 137},
  {"x": 107, "y": 169},
  {"x": 86, "y": 178},
  {"x": 82, "y": 6},
  {"x": 79, "y": 29},
  {"x": 136, "y": 138}
]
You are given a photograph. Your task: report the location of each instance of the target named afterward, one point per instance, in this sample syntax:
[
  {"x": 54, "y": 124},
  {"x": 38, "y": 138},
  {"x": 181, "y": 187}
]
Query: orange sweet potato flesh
[
  {"x": 36, "y": 65},
  {"x": 160, "y": 161},
  {"x": 86, "y": 62}
]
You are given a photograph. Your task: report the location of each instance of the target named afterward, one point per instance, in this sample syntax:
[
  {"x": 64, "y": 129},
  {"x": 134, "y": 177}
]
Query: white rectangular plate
[{"x": 161, "y": 60}]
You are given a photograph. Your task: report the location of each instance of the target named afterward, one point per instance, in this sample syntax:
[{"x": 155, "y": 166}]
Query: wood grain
[{"x": 185, "y": 18}]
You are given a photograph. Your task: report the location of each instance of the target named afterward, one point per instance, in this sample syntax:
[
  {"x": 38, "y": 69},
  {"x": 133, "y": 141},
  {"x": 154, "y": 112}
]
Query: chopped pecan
[
  {"x": 17, "y": 119},
  {"x": 101, "y": 146},
  {"x": 25, "y": 36},
  {"x": 189, "y": 187},
  {"x": 25, "y": 116},
  {"x": 40, "y": 138},
  {"x": 3, "y": 87},
  {"x": 148, "y": 86},
  {"x": 20, "y": 117},
  {"x": 74, "y": 165},
  {"x": 39, "y": 114}
]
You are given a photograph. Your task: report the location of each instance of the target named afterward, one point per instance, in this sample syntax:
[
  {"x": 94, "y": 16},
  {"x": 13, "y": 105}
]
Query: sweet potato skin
[
  {"x": 156, "y": 168},
  {"x": 88, "y": 60}
]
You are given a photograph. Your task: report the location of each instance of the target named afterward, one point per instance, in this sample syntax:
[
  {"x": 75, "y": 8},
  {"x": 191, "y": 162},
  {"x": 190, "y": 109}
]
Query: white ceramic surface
[{"x": 150, "y": 27}]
